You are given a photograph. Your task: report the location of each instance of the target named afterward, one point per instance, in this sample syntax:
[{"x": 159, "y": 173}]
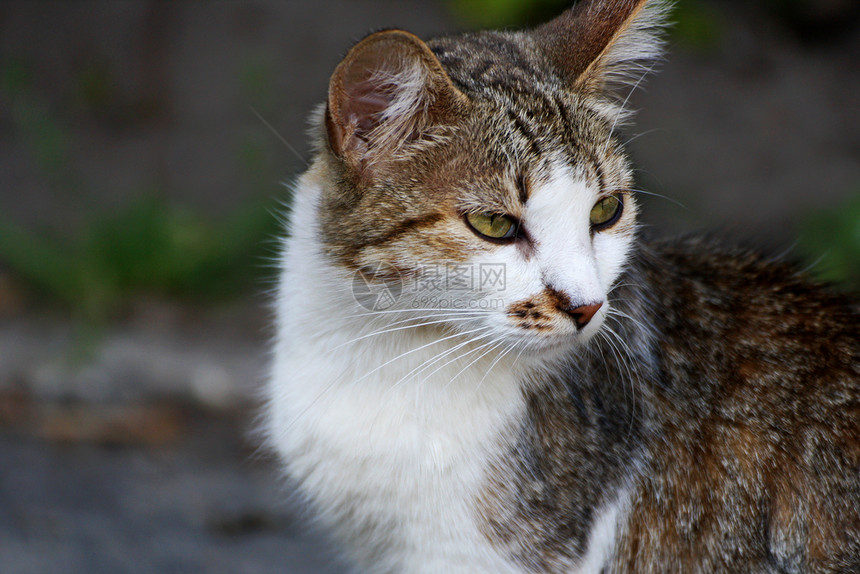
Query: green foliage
[
  {"x": 502, "y": 13},
  {"x": 150, "y": 247},
  {"x": 96, "y": 86},
  {"x": 257, "y": 79},
  {"x": 14, "y": 76},
  {"x": 43, "y": 137},
  {"x": 696, "y": 25},
  {"x": 831, "y": 240}
]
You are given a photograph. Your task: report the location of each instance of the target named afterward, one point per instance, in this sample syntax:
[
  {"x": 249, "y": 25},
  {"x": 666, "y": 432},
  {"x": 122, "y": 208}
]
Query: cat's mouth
[{"x": 555, "y": 338}]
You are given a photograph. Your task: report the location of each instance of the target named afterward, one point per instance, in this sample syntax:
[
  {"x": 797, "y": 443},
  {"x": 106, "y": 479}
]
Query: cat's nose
[{"x": 584, "y": 314}]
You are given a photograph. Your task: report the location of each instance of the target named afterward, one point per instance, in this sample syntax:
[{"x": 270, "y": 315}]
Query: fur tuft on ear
[
  {"x": 389, "y": 91},
  {"x": 598, "y": 45}
]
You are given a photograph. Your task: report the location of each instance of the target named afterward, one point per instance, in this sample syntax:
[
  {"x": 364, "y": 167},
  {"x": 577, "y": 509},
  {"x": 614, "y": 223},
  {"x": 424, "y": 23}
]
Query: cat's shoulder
[
  {"x": 707, "y": 271},
  {"x": 727, "y": 308}
]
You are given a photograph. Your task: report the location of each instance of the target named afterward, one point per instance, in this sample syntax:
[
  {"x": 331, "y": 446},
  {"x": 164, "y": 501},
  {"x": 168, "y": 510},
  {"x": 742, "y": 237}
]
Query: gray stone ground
[
  {"x": 200, "y": 504},
  {"x": 137, "y": 453},
  {"x": 128, "y": 449}
]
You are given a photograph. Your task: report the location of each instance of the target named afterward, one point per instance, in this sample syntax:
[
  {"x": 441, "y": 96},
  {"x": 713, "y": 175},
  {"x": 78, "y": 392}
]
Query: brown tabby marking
[
  {"x": 543, "y": 311},
  {"x": 530, "y": 316},
  {"x": 483, "y": 152}
]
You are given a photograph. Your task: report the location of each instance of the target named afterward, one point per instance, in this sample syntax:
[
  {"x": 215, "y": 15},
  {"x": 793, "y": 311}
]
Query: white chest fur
[{"x": 395, "y": 471}]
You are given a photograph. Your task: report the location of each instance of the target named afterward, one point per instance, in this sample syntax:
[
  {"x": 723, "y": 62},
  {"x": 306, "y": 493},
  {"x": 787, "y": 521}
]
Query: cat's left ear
[
  {"x": 599, "y": 44},
  {"x": 389, "y": 92}
]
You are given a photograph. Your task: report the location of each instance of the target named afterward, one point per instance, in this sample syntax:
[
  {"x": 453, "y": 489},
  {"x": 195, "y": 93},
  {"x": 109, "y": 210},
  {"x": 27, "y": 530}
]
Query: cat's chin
[{"x": 554, "y": 344}]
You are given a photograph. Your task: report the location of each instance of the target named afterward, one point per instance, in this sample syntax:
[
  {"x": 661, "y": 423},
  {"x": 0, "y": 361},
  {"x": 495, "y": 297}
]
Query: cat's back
[
  {"x": 758, "y": 387},
  {"x": 736, "y": 312}
]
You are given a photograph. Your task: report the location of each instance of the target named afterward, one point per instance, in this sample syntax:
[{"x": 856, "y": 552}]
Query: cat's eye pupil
[
  {"x": 605, "y": 212},
  {"x": 492, "y": 225}
]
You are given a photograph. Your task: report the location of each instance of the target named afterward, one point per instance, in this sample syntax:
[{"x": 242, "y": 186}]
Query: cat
[{"x": 483, "y": 365}]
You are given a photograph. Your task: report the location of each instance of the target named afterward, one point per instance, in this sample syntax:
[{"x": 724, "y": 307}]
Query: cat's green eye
[
  {"x": 492, "y": 225},
  {"x": 605, "y": 212}
]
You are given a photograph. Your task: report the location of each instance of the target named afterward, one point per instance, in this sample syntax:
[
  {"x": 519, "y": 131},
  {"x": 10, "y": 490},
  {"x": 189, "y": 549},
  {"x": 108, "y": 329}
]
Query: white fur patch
[{"x": 604, "y": 533}]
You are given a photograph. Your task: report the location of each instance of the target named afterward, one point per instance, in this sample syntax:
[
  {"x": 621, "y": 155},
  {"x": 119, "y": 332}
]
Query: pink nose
[{"x": 583, "y": 315}]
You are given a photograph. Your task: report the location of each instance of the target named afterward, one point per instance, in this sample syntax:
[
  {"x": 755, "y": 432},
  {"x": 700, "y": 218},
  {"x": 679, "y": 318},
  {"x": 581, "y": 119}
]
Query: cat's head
[{"x": 478, "y": 176}]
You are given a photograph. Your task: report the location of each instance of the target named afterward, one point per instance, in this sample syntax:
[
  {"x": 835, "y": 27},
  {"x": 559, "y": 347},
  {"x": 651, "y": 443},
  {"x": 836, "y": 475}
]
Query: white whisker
[
  {"x": 618, "y": 313},
  {"x": 430, "y": 362},
  {"x": 370, "y": 313},
  {"x": 621, "y": 113},
  {"x": 279, "y": 136},
  {"x": 493, "y": 346},
  {"x": 339, "y": 380},
  {"x": 390, "y": 330},
  {"x": 628, "y": 361},
  {"x": 666, "y": 197},
  {"x": 494, "y": 363}
]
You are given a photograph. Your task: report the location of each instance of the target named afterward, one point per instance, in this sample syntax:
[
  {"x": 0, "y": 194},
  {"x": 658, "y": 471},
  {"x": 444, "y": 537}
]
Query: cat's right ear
[{"x": 389, "y": 92}]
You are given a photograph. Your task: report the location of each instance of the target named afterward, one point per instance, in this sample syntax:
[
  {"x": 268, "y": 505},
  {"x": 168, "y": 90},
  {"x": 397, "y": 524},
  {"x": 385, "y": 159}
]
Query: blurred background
[{"x": 144, "y": 146}]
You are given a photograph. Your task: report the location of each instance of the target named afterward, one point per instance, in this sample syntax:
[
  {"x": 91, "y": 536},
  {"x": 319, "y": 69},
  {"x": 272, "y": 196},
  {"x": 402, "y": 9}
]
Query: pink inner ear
[{"x": 365, "y": 103}]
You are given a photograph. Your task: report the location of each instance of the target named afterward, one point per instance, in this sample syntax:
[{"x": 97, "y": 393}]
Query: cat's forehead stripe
[
  {"x": 521, "y": 126},
  {"x": 523, "y": 189}
]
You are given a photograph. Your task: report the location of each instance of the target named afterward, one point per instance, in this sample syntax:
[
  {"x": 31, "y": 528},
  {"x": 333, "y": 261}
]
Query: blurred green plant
[
  {"x": 148, "y": 248},
  {"x": 41, "y": 134},
  {"x": 257, "y": 79},
  {"x": 502, "y": 13},
  {"x": 830, "y": 240},
  {"x": 696, "y": 25},
  {"x": 96, "y": 87}
]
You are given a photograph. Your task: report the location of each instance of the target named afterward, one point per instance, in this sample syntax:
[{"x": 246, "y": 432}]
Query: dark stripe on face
[
  {"x": 523, "y": 188},
  {"x": 523, "y": 128},
  {"x": 570, "y": 136},
  {"x": 406, "y": 226}
]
